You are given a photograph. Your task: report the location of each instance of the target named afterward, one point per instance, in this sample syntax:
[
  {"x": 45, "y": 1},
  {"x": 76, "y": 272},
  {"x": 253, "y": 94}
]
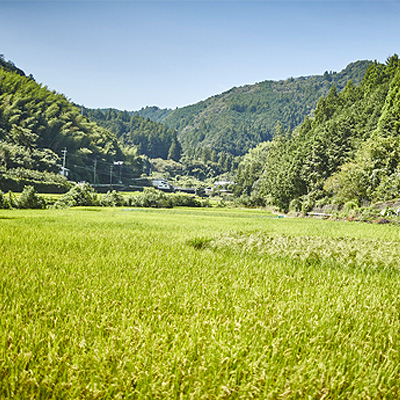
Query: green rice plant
[
  {"x": 115, "y": 303},
  {"x": 368, "y": 254},
  {"x": 199, "y": 242}
]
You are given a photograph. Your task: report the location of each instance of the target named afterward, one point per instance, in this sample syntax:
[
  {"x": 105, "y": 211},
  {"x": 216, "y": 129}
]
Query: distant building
[
  {"x": 223, "y": 184},
  {"x": 163, "y": 185},
  {"x": 64, "y": 171},
  {"x": 219, "y": 187}
]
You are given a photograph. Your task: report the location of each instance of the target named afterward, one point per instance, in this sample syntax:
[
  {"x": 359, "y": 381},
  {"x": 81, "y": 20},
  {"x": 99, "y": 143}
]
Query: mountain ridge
[{"x": 248, "y": 114}]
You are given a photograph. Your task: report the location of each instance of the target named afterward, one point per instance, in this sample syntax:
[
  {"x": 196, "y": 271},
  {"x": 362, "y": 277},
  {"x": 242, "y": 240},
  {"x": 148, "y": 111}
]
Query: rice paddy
[{"x": 121, "y": 303}]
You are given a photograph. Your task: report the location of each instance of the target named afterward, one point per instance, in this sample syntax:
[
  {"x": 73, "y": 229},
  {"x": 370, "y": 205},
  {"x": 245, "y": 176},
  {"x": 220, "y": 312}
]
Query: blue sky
[{"x": 129, "y": 54}]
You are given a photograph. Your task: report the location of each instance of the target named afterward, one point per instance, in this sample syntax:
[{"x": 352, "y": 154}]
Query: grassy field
[{"x": 124, "y": 303}]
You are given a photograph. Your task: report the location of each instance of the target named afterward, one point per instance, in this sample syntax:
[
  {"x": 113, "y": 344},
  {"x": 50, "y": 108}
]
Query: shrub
[
  {"x": 295, "y": 205},
  {"x": 112, "y": 199},
  {"x": 44, "y": 182},
  {"x": 11, "y": 200},
  {"x": 323, "y": 202},
  {"x": 79, "y": 195},
  {"x": 368, "y": 213},
  {"x": 130, "y": 200},
  {"x": 3, "y": 201},
  {"x": 185, "y": 201},
  {"x": 255, "y": 200},
  {"x": 307, "y": 205},
  {"x": 221, "y": 203},
  {"x": 151, "y": 197},
  {"x": 350, "y": 206},
  {"x": 389, "y": 187},
  {"x": 30, "y": 199}
]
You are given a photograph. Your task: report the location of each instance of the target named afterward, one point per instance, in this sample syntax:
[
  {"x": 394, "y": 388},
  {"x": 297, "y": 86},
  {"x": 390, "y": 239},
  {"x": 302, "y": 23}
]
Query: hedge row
[
  {"x": 84, "y": 195},
  {"x": 8, "y": 183}
]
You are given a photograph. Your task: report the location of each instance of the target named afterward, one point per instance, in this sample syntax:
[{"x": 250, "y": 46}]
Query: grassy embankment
[{"x": 107, "y": 303}]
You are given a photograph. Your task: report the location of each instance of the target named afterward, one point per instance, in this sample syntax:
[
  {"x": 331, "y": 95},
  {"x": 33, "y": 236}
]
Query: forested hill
[
  {"x": 10, "y": 66},
  {"x": 150, "y": 138},
  {"x": 241, "y": 118},
  {"x": 37, "y": 124},
  {"x": 348, "y": 152},
  {"x": 155, "y": 113}
]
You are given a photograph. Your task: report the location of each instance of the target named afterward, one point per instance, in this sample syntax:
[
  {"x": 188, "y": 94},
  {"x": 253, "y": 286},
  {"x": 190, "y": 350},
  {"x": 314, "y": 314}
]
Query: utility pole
[
  {"x": 64, "y": 152},
  {"x": 120, "y": 163},
  {"x": 94, "y": 171},
  {"x": 111, "y": 171}
]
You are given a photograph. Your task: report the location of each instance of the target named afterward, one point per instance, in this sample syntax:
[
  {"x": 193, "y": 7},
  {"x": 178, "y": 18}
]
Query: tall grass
[{"x": 185, "y": 303}]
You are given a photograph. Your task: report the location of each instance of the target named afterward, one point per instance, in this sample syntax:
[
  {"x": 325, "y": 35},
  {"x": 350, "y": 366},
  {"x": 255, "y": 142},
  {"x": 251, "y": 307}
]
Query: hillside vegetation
[
  {"x": 241, "y": 118},
  {"x": 280, "y": 144},
  {"x": 36, "y": 124},
  {"x": 349, "y": 150},
  {"x": 151, "y": 138},
  {"x": 232, "y": 122},
  {"x": 155, "y": 113}
]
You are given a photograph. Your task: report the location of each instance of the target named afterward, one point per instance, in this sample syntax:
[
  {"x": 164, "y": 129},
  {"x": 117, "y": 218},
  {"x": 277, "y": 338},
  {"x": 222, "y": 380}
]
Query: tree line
[
  {"x": 36, "y": 124},
  {"x": 348, "y": 151},
  {"x": 151, "y": 138}
]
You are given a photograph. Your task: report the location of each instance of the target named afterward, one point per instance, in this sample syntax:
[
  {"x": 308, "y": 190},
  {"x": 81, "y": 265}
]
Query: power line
[{"x": 96, "y": 170}]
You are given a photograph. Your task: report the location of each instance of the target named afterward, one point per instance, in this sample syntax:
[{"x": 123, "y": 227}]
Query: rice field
[{"x": 118, "y": 303}]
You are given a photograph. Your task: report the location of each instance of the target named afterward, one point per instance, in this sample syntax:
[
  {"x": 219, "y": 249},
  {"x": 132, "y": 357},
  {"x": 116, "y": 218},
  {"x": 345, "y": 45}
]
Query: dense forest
[
  {"x": 278, "y": 142},
  {"x": 151, "y": 138},
  {"x": 241, "y": 118},
  {"x": 347, "y": 152},
  {"x": 39, "y": 127},
  {"x": 155, "y": 113}
]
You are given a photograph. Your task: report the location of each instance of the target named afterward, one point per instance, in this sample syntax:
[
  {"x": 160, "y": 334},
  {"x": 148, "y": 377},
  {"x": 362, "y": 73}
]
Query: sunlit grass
[{"x": 196, "y": 303}]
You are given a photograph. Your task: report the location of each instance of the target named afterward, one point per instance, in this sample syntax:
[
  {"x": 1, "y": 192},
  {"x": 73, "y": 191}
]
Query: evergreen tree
[
  {"x": 206, "y": 154},
  {"x": 151, "y": 138},
  {"x": 175, "y": 150},
  {"x": 349, "y": 150}
]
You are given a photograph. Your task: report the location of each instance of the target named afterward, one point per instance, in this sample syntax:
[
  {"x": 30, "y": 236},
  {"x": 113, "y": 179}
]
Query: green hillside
[
  {"x": 151, "y": 138},
  {"x": 241, "y": 118},
  {"x": 155, "y": 113},
  {"x": 349, "y": 150},
  {"x": 232, "y": 122},
  {"x": 37, "y": 124},
  {"x": 10, "y": 66}
]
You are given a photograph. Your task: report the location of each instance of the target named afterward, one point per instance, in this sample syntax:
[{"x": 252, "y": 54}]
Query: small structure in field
[{"x": 163, "y": 185}]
